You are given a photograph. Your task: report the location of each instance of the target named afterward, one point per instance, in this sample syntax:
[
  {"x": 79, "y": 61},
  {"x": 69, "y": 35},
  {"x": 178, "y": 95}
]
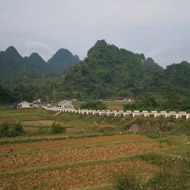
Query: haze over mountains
[
  {"x": 106, "y": 72},
  {"x": 12, "y": 63}
]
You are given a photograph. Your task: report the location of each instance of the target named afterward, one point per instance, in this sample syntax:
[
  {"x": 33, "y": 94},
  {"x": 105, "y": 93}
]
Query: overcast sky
[{"x": 158, "y": 28}]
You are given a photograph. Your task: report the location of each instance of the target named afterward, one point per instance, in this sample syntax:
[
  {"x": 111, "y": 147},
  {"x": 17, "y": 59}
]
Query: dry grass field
[
  {"x": 81, "y": 158},
  {"x": 72, "y": 163}
]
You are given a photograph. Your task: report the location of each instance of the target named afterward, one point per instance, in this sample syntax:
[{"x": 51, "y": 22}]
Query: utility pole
[
  {"x": 21, "y": 96},
  {"x": 54, "y": 96}
]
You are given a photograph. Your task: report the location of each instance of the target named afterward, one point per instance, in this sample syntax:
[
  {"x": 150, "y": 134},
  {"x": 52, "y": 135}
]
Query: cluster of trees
[
  {"x": 21, "y": 93},
  {"x": 169, "y": 101},
  {"x": 93, "y": 106}
]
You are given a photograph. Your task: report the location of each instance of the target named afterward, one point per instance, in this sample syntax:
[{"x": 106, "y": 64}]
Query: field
[{"x": 92, "y": 153}]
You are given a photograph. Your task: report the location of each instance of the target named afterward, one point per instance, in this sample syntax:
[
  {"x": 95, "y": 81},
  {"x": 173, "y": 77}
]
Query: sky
[{"x": 160, "y": 29}]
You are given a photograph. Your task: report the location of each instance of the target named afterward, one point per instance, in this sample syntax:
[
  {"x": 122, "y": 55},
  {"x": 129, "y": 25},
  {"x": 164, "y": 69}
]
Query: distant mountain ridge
[
  {"x": 12, "y": 63},
  {"x": 106, "y": 73},
  {"x": 62, "y": 55}
]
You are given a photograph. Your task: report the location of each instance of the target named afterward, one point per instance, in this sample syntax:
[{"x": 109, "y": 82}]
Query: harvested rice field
[{"x": 73, "y": 163}]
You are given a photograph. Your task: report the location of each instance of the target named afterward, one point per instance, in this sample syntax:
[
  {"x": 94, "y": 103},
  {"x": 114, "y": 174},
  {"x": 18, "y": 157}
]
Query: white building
[
  {"x": 25, "y": 105},
  {"x": 65, "y": 104}
]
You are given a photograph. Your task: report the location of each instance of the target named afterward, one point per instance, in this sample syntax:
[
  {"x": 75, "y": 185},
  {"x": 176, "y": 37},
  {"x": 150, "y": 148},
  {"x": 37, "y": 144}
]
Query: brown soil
[
  {"x": 43, "y": 145},
  {"x": 60, "y": 169},
  {"x": 69, "y": 178},
  {"x": 42, "y": 159}
]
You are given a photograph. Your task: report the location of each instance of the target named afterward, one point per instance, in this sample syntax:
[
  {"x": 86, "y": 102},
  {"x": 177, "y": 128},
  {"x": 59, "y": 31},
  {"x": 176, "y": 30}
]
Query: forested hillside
[
  {"x": 12, "y": 64},
  {"x": 175, "y": 78},
  {"x": 106, "y": 72},
  {"x": 109, "y": 72}
]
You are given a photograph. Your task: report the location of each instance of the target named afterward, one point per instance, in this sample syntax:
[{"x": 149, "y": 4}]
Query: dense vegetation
[
  {"x": 12, "y": 63},
  {"x": 170, "y": 101},
  {"x": 106, "y": 73},
  {"x": 174, "y": 78},
  {"x": 109, "y": 72},
  {"x": 20, "y": 93},
  {"x": 93, "y": 106},
  {"x": 5, "y": 131}
]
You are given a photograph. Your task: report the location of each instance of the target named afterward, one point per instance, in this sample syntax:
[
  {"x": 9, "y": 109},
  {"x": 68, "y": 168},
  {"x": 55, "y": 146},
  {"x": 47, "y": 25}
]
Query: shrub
[
  {"x": 175, "y": 175},
  {"x": 57, "y": 128},
  {"x": 93, "y": 106},
  {"x": 42, "y": 130},
  {"x": 16, "y": 130},
  {"x": 12, "y": 133},
  {"x": 127, "y": 180},
  {"x": 4, "y": 130}
]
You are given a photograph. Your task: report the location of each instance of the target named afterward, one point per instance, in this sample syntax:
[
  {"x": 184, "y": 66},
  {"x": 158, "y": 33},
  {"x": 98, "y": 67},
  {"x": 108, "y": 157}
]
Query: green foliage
[
  {"x": 62, "y": 60},
  {"x": 93, "y": 106},
  {"x": 170, "y": 101},
  {"x": 127, "y": 180},
  {"x": 5, "y": 95},
  {"x": 175, "y": 175},
  {"x": 107, "y": 72},
  {"x": 17, "y": 130},
  {"x": 159, "y": 137},
  {"x": 175, "y": 78},
  {"x": 12, "y": 63},
  {"x": 57, "y": 128},
  {"x": 146, "y": 102},
  {"x": 4, "y": 129}
]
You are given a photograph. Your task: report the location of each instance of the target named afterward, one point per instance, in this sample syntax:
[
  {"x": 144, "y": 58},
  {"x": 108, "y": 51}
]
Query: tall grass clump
[
  {"x": 127, "y": 180},
  {"x": 4, "y": 129},
  {"x": 174, "y": 175},
  {"x": 57, "y": 128},
  {"x": 17, "y": 130}
]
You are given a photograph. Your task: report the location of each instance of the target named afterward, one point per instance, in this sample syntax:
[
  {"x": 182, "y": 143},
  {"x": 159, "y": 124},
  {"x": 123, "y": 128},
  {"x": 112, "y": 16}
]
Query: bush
[
  {"x": 175, "y": 175},
  {"x": 18, "y": 129},
  {"x": 4, "y": 130},
  {"x": 57, "y": 128},
  {"x": 42, "y": 130},
  {"x": 127, "y": 180},
  {"x": 93, "y": 106},
  {"x": 12, "y": 133}
]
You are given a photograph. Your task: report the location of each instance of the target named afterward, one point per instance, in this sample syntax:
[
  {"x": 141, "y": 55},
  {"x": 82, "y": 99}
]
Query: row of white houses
[
  {"x": 121, "y": 113},
  {"x": 61, "y": 104}
]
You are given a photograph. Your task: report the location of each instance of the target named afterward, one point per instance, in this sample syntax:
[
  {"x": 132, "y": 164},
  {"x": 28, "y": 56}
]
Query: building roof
[{"x": 24, "y": 102}]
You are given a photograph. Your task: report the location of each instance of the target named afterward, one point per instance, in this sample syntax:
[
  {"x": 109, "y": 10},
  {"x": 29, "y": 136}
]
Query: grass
[
  {"x": 174, "y": 174},
  {"x": 173, "y": 161},
  {"x": 174, "y": 164},
  {"x": 19, "y": 141}
]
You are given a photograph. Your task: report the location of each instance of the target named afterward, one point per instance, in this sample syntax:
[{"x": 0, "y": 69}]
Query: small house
[
  {"x": 65, "y": 104},
  {"x": 25, "y": 105}
]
